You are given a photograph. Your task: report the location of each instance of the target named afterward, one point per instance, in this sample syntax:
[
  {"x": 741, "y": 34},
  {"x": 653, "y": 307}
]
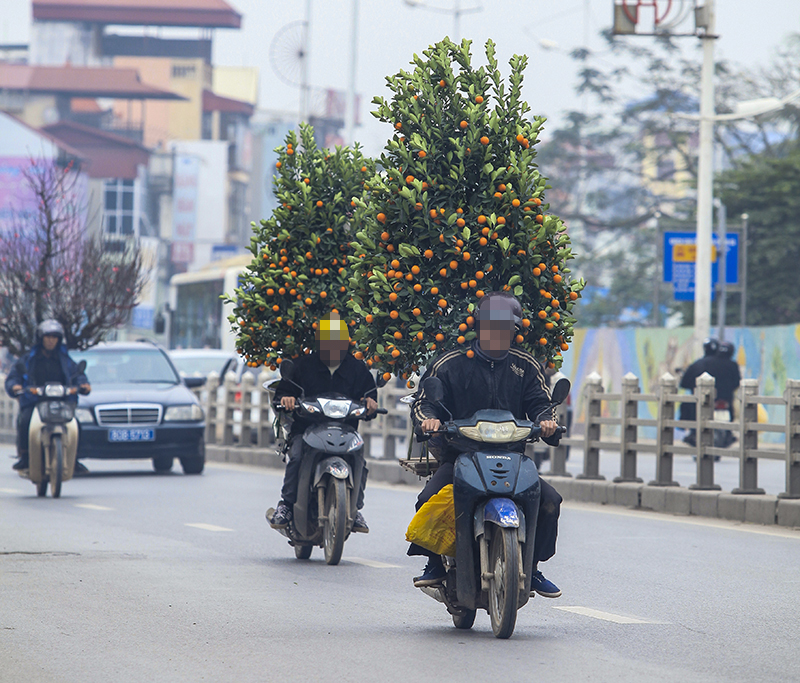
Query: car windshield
[
  {"x": 113, "y": 366},
  {"x": 199, "y": 365}
]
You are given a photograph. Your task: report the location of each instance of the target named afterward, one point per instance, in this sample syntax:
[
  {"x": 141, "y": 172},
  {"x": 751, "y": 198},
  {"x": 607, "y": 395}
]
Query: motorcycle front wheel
[
  {"x": 56, "y": 465},
  {"x": 504, "y": 584},
  {"x": 303, "y": 552},
  {"x": 335, "y": 524}
]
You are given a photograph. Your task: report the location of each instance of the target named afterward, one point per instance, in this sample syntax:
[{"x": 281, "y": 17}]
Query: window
[{"x": 118, "y": 207}]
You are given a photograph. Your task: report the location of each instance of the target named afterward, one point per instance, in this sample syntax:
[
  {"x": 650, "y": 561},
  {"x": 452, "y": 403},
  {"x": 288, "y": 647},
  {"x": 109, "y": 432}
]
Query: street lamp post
[
  {"x": 350, "y": 104},
  {"x": 457, "y": 11}
]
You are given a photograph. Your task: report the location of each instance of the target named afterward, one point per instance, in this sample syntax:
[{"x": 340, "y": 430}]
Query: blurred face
[
  {"x": 332, "y": 351},
  {"x": 50, "y": 341},
  {"x": 494, "y": 337}
]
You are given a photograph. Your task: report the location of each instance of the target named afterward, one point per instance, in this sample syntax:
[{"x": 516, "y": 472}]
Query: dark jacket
[
  {"x": 24, "y": 373},
  {"x": 351, "y": 379},
  {"x": 724, "y": 371},
  {"x": 515, "y": 383}
]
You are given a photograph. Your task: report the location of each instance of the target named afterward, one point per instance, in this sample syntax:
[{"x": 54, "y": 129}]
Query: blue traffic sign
[{"x": 680, "y": 250}]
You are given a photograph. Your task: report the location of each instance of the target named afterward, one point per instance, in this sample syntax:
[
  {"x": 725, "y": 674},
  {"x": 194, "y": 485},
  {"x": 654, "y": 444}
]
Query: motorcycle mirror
[
  {"x": 82, "y": 367},
  {"x": 381, "y": 382},
  {"x": 560, "y": 391},
  {"x": 434, "y": 389},
  {"x": 287, "y": 369}
]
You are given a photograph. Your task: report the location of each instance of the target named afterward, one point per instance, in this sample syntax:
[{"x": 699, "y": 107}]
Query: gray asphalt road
[{"x": 136, "y": 577}]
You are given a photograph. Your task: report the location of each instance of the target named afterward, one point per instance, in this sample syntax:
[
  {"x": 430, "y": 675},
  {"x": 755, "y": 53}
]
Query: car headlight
[
  {"x": 84, "y": 416},
  {"x": 495, "y": 432},
  {"x": 55, "y": 390},
  {"x": 190, "y": 413},
  {"x": 334, "y": 408}
]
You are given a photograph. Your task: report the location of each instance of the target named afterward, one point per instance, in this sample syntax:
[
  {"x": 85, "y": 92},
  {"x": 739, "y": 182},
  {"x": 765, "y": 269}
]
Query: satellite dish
[{"x": 287, "y": 52}]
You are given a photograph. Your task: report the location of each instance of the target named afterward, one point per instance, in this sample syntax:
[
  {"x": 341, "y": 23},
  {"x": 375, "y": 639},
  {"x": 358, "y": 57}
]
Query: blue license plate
[{"x": 126, "y": 435}]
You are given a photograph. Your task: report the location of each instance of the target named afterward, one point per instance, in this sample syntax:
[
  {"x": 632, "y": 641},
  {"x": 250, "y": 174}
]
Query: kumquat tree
[
  {"x": 299, "y": 269},
  {"x": 459, "y": 210}
]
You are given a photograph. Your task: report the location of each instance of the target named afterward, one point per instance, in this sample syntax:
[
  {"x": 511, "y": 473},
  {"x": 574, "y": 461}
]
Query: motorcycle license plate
[{"x": 127, "y": 435}]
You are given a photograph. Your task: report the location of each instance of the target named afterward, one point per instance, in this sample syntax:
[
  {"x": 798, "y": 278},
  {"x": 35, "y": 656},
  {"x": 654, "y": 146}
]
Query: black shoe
[
  {"x": 281, "y": 517},
  {"x": 360, "y": 524},
  {"x": 21, "y": 464},
  {"x": 80, "y": 469},
  {"x": 433, "y": 574},
  {"x": 543, "y": 586}
]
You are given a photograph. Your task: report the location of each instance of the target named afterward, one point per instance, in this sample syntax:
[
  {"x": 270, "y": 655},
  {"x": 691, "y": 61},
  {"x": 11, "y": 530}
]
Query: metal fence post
[
  {"x": 706, "y": 393},
  {"x": 212, "y": 384},
  {"x": 246, "y": 403},
  {"x": 264, "y": 433},
  {"x": 665, "y": 437},
  {"x": 628, "y": 435},
  {"x": 226, "y": 409},
  {"x": 593, "y": 388},
  {"x": 748, "y": 438},
  {"x": 558, "y": 454},
  {"x": 792, "y": 397}
]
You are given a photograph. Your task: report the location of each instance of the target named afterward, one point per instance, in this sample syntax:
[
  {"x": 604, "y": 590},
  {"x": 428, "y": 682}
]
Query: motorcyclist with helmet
[
  {"x": 331, "y": 369},
  {"x": 499, "y": 376},
  {"x": 48, "y": 361}
]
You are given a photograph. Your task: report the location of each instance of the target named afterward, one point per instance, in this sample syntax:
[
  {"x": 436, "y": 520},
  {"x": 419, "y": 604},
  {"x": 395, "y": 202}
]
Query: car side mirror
[
  {"x": 434, "y": 389},
  {"x": 560, "y": 391},
  {"x": 194, "y": 382}
]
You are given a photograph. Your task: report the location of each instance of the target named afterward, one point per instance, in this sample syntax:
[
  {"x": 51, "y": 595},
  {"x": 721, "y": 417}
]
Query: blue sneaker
[
  {"x": 543, "y": 586},
  {"x": 433, "y": 574}
]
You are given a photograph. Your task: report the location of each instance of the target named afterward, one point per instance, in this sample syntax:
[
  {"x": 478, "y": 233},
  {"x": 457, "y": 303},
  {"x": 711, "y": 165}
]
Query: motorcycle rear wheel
[
  {"x": 335, "y": 525},
  {"x": 41, "y": 488},
  {"x": 303, "y": 552},
  {"x": 465, "y": 620},
  {"x": 57, "y": 465},
  {"x": 504, "y": 584}
]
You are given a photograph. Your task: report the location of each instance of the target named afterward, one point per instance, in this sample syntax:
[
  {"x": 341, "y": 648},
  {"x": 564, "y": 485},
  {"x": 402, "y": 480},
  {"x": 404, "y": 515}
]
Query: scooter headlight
[
  {"x": 334, "y": 408},
  {"x": 55, "y": 391},
  {"x": 495, "y": 432},
  {"x": 310, "y": 408}
]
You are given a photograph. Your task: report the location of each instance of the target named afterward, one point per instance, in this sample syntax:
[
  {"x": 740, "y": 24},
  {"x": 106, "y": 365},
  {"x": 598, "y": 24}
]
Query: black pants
[
  {"x": 23, "y": 426},
  {"x": 546, "y": 525},
  {"x": 290, "y": 479}
]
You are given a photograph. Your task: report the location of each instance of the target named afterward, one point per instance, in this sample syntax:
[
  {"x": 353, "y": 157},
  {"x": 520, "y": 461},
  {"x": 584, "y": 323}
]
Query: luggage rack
[{"x": 423, "y": 466}]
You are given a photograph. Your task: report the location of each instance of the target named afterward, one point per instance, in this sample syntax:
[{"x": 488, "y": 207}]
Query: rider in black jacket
[
  {"x": 498, "y": 376},
  {"x": 330, "y": 370}
]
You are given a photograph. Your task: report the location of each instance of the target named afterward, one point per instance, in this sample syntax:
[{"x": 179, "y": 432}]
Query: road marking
[
  {"x": 371, "y": 563},
  {"x": 605, "y": 616},
  {"x": 208, "y": 527},
  {"x": 11, "y": 491},
  {"x": 90, "y": 506}
]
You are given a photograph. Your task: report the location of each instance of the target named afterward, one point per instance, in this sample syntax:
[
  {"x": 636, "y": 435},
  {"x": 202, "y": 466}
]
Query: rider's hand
[
  {"x": 431, "y": 425},
  {"x": 288, "y": 402},
  {"x": 86, "y": 388},
  {"x": 16, "y": 389},
  {"x": 372, "y": 406},
  {"x": 548, "y": 427}
]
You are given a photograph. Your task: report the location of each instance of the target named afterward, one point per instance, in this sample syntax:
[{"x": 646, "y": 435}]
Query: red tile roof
[
  {"x": 107, "y": 155},
  {"x": 214, "y": 102},
  {"x": 80, "y": 82},
  {"x": 204, "y": 13}
]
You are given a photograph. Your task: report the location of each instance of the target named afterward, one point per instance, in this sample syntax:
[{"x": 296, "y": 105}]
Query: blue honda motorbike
[{"x": 496, "y": 493}]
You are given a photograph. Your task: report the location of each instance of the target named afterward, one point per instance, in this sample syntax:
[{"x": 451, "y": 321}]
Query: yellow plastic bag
[{"x": 434, "y": 525}]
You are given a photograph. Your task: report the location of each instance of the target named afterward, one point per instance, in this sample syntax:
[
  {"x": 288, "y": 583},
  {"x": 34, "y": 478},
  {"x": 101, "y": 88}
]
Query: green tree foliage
[
  {"x": 459, "y": 210},
  {"x": 768, "y": 190},
  {"x": 298, "y": 273}
]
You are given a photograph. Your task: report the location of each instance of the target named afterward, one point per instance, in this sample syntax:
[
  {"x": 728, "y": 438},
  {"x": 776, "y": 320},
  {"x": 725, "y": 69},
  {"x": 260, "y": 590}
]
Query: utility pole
[
  {"x": 705, "y": 181},
  {"x": 304, "y": 88},
  {"x": 350, "y": 105},
  {"x": 722, "y": 263},
  {"x": 743, "y": 246}
]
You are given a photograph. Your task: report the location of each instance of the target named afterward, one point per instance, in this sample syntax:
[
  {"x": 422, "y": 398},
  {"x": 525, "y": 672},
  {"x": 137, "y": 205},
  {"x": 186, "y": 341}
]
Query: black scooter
[
  {"x": 496, "y": 493},
  {"x": 330, "y": 474}
]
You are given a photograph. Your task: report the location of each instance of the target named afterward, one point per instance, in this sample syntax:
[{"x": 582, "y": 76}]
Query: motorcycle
[
  {"x": 496, "y": 494},
  {"x": 330, "y": 474},
  {"x": 52, "y": 436}
]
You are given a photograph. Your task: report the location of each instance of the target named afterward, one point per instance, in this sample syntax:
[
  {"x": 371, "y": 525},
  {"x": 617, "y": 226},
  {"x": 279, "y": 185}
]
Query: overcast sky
[{"x": 390, "y": 32}]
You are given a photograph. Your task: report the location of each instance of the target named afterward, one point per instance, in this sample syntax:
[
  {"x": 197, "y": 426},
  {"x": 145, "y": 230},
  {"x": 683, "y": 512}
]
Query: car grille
[{"x": 128, "y": 414}]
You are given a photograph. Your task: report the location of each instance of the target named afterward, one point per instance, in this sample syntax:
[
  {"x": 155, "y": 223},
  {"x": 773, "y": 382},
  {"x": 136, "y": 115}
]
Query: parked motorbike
[
  {"x": 496, "y": 494},
  {"x": 330, "y": 474},
  {"x": 52, "y": 436}
]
